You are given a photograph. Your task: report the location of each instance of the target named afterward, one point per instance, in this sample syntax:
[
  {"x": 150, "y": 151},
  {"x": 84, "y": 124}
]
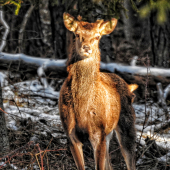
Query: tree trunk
[
  {"x": 4, "y": 141},
  {"x": 128, "y": 22},
  {"x": 58, "y": 29},
  {"x": 160, "y": 42},
  {"x": 69, "y": 42}
]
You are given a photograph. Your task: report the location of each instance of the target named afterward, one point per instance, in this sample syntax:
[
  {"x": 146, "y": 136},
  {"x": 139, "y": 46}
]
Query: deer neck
[{"x": 84, "y": 78}]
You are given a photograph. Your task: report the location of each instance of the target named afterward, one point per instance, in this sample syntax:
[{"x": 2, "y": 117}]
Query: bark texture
[
  {"x": 160, "y": 42},
  {"x": 4, "y": 141}
]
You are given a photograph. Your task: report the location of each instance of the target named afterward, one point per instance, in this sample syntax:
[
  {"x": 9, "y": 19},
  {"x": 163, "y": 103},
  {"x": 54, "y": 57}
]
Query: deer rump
[{"x": 94, "y": 103}]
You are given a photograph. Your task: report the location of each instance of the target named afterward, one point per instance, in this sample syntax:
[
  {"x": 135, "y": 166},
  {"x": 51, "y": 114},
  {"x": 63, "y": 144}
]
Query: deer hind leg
[
  {"x": 126, "y": 135},
  {"x": 76, "y": 150},
  {"x": 98, "y": 142}
]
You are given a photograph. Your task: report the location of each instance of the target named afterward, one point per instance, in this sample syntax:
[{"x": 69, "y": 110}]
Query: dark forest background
[{"x": 44, "y": 34}]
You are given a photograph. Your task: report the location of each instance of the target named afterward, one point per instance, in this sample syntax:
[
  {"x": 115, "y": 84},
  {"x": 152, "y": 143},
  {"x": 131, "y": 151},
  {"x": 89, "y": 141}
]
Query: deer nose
[{"x": 86, "y": 47}]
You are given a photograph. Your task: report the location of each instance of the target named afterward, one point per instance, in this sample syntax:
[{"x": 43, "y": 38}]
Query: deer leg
[
  {"x": 98, "y": 142},
  {"x": 107, "y": 161},
  {"x": 126, "y": 135},
  {"x": 76, "y": 150}
]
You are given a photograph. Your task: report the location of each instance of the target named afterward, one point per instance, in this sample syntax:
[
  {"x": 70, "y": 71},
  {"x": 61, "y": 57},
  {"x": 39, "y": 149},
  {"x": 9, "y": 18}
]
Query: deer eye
[
  {"x": 77, "y": 35},
  {"x": 97, "y": 38}
]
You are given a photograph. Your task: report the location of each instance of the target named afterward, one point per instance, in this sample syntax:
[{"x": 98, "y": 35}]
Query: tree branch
[
  {"x": 2, "y": 21},
  {"x": 23, "y": 25}
]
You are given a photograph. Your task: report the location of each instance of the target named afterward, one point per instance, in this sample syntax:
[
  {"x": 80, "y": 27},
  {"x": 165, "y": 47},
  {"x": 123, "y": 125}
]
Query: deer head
[{"x": 88, "y": 34}]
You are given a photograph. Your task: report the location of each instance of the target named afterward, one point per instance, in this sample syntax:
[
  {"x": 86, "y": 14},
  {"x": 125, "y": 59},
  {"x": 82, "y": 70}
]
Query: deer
[{"x": 94, "y": 104}]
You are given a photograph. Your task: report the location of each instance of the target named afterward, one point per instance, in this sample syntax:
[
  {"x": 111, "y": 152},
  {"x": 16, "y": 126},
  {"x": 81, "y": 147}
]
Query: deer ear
[
  {"x": 132, "y": 87},
  {"x": 107, "y": 27},
  {"x": 69, "y": 22}
]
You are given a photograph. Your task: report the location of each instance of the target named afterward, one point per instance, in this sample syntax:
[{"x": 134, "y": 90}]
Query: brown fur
[{"x": 94, "y": 103}]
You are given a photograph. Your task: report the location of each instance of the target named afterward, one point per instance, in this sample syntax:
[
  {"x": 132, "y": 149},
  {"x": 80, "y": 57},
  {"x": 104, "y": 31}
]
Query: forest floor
[{"x": 37, "y": 139}]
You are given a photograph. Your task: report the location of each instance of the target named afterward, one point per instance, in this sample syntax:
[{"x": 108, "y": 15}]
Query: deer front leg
[
  {"x": 76, "y": 150},
  {"x": 98, "y": 142},
  {"x": 107, "y": 163}
]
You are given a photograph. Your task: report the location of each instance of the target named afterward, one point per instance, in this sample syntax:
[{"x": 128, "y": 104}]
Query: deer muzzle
[{"x": 86, "y": 50}]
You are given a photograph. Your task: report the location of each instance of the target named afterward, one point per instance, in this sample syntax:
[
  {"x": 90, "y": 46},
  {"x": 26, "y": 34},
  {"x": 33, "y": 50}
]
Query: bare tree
[
  {"x": 159, "y": 42},
  {"x": 4, "y": 141}
]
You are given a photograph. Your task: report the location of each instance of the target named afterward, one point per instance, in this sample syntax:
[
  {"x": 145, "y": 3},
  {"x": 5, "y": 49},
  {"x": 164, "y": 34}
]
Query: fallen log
[
  {"x": 22, "y": 62},
  {"x": 29, "y": 66}
]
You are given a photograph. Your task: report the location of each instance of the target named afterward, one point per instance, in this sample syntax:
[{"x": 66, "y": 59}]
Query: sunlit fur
[{"x": 93, "y": 104}]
